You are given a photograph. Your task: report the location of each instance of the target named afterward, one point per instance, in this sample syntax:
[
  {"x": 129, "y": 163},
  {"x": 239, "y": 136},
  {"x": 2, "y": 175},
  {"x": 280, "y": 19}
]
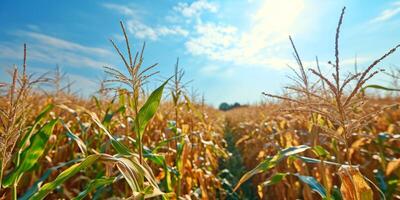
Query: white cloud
[
  {"x": 268, "y": 33},
  {"x": 125, "y": 10},
  {"x": 213, "y": 41},
  {"x": 143, "y": 31},
  {"x": 388, "y": 13},
  {"x": 196, "y": 8},
  {"x": 33, "y": 27},
  {"x": 52, "y": 50},
  {"x": 62, "y": 44},
  {"x": 140, "y": 29},
  {"x": 258, "y": 45}
]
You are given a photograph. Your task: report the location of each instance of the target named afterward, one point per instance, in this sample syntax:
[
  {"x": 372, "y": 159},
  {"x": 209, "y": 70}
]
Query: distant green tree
[{"x": 224, "y": 106}]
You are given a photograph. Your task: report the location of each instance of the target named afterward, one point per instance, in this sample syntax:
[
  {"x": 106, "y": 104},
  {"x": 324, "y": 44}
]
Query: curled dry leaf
[{"x": 354, "y": 186}]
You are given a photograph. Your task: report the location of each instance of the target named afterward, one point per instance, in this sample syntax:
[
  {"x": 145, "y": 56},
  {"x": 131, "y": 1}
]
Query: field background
[{"x": 328, "y": 135}]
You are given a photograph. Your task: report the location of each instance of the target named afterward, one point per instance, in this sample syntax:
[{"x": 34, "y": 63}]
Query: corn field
[{"x": 325, "y": 137}]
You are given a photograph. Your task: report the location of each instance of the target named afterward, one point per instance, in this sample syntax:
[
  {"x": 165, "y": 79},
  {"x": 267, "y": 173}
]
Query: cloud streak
[
  {"x": 196, "y": 8},
  {"x": 140, "y": 29},
  {"x": 143, "y": 31},
  {"x": 387, "y": 14},
  {"x": 52, "y": 50}
]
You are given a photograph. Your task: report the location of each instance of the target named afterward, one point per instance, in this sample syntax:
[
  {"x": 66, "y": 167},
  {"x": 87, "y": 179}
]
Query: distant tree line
[{"x": 225, "y": 106}]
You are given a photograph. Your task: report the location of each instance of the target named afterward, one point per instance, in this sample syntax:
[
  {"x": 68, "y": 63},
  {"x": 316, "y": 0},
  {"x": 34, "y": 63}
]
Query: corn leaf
[
  {"x": 320, "y": 151},
  {"x": 93, "y": 184},
  {"x": 316, "y": 161},
  {"x": 119, "y": 147},
  {"x": 38, "y": 119},
  {"x": 271, "y": 162},
  {"x": 148, "y": 110},
  {"x": 274, "y": 179},
  {"x": 79, "y": 142},
  {"x": 314, "y": 184},
  {"x": 354, "y": 186},
  {"x": 36, "y": 185},
  {"x": 63, "y": 176},
  {"x": 294, "y": 150},
  {"x": 32, "y": 153},
  {"x": 380, "y": 87},
  {"x": 109, "y": 115}
]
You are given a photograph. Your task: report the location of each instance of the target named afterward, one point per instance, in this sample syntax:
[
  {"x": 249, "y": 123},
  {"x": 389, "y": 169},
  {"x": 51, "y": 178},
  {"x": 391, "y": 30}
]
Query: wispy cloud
[
  {"x": 141, "y": 30},
  {"x": 125, "y": 10},
  {"x": 52, "y": 50},
  {"x": 257, "y": 45},
  {"x": 213, "y": 40},
  {"x": 388, "y": 14},
  {"x": 270, "y": 26},
  {"x": 195, "y": 8},
  {"x": 62, "y": 44}
]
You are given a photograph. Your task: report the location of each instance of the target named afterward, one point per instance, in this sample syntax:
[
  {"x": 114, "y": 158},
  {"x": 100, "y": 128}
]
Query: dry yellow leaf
[
  {"x": 392, "y": 166},
  {"x": 185, "y": 128},
  {"x": 357, "y": 145},
  {"x": 354, "y": 186}
]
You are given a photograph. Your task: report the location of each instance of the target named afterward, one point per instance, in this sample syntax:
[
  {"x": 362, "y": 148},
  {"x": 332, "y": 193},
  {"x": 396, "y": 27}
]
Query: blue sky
[{"x": 232, "y": 50}]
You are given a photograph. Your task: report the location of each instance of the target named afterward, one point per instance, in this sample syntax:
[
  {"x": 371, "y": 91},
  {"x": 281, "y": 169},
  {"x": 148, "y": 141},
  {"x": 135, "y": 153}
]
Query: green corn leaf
[
  {"x": 380, "y": 179},
  {"x": 63, "y": 176},
  {"x": 75, "y": 113},
  {"x": 136, "y": 174},
  {"x": 97, "y": 102},
  {"x": 93, "y": 184},
  {"x": 32, "y": 153},
  {"x": 336, "y": 194},
  {"x": 310, "y": 181},
  {"x": 121, "y": 97},
  {"x": 155, "y": 158},
  {"x": 79, "y": 142},
  {"x": 262, "y": 167},
  {"x": 38, "y": 119},
  {"x": 320, "y": 151},
  {"x": 119, "y": 147},
  {"x": 109, "y": 115},
  {"x": 316, "y": 161},
  {"x": 165, "y": 142},
  {"x": 1, "y": 173},
  {"x": 294, "y": 150},
  {"x": 148, "y": 110},
  {"x": 314, "y": 184},
  {"x": 274, "y": 179},
  {"x": 36, "y": 185},
  {"x": 380, "y": 87},
  {"x": 44, "y": 112},
  {"x": 271, "y": 162}
]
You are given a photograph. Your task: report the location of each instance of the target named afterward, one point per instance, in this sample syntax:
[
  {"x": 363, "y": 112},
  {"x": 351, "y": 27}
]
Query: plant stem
[
  {"x": 1, "y": 173},
  {"x": 324, "y": 179},
  {"x": 14, "y": 191}
]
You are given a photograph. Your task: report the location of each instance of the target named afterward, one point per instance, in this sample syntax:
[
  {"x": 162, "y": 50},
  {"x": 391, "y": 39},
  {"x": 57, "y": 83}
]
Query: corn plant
[{"x": 332, "y": 111}]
